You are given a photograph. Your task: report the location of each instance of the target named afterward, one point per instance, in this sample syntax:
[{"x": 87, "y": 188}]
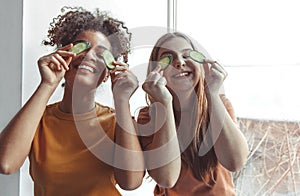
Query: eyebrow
[
  {"x": 102, "y": 47},
  {"x": 186, "y": 49},
  {"x": 171, "y": 51}
]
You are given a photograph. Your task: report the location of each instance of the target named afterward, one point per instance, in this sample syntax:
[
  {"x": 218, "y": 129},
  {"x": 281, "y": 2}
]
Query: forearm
[
  {"x": 229, "y": 142},
  {"x": 17, "y": 136},
  {"x": 163, "y": 160},
  {"x": 128, "y": 156}
]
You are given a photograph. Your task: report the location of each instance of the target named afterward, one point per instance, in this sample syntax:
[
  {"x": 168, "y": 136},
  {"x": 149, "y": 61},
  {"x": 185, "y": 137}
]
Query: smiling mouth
[
  {"x": 85, "y": 67},
  {"x": 182, "y": 75}
]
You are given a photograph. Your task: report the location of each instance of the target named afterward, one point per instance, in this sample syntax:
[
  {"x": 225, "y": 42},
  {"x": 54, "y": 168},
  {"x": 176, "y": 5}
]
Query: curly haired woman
[{"x": 77, "y": 146}]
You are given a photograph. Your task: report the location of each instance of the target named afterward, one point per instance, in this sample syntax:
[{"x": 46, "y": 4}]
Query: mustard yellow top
[
  {"x": 187, "y": 184},
  {"x": 70, "y": 155}
]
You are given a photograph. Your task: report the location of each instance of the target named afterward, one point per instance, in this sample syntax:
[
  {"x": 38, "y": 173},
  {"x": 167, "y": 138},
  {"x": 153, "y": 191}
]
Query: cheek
[
  {"x": 102, "y": 75},
  {"x": 167, "y": 72},
  {"x": 198, "y": 75},
  {"x": 69, "y": 75},
  {"x": 199, "y": 72},
  {"x": 69, "y": 78}
]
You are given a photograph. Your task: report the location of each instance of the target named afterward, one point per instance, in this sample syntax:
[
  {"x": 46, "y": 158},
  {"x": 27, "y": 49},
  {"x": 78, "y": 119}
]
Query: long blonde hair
[{"x": 200, "y": 165}]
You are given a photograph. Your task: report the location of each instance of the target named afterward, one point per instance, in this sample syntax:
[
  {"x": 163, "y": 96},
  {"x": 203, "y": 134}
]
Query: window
[{"x": 258, "y": 43}]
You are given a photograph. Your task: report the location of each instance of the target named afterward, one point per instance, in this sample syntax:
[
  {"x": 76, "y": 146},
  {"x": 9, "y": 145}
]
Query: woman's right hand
[
  {"x": 155, "y": 87},
  {"x": 53, "y": 66}
]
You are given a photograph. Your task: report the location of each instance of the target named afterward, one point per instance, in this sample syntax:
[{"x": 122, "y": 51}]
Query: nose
[
  {"x": 179, "y": 63},
  {"x": 90, "y": 55}
]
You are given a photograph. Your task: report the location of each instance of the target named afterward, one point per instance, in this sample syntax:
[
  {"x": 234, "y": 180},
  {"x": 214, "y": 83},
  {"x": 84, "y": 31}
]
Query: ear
[{"x": 106, "y": 77}]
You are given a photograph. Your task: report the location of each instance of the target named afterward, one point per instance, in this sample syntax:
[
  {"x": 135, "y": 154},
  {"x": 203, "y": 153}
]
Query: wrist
[
  {"x": 120, "y": 99},
  {"x": 166, "y": 100},
  {"x": 121, "y": 103},
  {"x": 211, "y": 97},
  {"x": 48, "y": 86}
]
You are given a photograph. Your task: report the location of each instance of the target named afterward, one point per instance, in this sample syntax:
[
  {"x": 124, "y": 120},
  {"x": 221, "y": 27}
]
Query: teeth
[
  {"x": 86, "y": 67},
  {"x": 182, "y": 74}
]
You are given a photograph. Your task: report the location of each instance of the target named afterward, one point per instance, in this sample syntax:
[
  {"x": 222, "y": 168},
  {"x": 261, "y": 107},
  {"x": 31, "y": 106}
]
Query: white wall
[{"x": 11, "y": 72}]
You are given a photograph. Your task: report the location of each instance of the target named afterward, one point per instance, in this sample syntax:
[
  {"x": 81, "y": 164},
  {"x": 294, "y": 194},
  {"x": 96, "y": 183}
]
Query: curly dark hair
[{"x": 74, "y": 20}]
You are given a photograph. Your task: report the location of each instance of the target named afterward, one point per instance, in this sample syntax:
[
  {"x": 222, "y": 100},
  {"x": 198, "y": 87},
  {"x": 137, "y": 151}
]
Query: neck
[{"x": 77, "y": 103}]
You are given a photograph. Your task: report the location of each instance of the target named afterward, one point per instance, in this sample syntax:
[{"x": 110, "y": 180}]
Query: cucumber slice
[
  {"x": 197, "y": 56},
  {"x": 79, "y": 47},
  {"x": 165, "y": 62},
  {"x": 108, "y": 59}
]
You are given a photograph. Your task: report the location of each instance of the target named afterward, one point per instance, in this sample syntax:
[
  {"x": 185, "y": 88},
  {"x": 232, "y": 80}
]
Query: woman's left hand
[
  {"x": 214, "y": 76},
  {"x": 124, "y": 82}
]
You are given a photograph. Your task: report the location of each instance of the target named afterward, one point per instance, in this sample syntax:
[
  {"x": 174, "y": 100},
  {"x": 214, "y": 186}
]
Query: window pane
[{"x": 259, "y": 42}]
